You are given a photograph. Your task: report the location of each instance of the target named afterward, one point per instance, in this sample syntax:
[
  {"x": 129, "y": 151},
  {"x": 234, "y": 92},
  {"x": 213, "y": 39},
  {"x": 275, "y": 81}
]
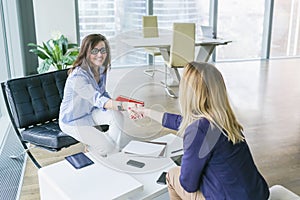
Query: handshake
[{"x": 135, "y": 108}]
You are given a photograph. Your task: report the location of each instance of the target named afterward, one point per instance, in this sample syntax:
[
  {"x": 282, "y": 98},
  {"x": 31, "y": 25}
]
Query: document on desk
[
  {"x": 118, "y": 161},
  {"x": 147, "y": 148}
]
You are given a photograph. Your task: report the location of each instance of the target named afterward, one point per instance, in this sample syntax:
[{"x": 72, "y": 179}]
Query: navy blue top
[{"x": 216, "y": 167}]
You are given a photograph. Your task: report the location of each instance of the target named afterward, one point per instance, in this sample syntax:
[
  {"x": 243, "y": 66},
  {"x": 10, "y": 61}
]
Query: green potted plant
[{"x": 58, "y": 53}]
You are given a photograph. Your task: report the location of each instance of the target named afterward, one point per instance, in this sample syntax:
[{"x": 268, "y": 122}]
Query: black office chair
[{"x": 33, "y": 104}]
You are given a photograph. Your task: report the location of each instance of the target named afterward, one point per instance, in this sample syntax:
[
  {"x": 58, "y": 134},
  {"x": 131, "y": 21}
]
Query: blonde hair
[{"x": 203, "y": 94}]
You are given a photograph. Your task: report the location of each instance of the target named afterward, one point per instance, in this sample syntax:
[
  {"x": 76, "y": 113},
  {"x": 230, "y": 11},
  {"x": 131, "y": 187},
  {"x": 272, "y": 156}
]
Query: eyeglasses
[{"x": 95, "y": 51}]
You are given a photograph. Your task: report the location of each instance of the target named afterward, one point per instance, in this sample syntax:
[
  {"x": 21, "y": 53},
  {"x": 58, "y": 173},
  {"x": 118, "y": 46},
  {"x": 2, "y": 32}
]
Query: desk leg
[
  {"x": 169, "y": 91},
  {"x": 205, "y": 52},
  {"x": 165, "y": 52},
  {"x": 173, "y": 72}
]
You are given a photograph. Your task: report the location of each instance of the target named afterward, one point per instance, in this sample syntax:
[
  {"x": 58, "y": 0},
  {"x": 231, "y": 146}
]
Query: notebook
[
  {"x": 129, "y": 99},
  {"x": 147, "y": 148},
  {"x": 79, "y": 160}
]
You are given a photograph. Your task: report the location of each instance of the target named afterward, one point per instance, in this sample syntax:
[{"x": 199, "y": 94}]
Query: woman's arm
[
  {"x": 141, "y": 112},
  {"x": 168, "y": 120},
  {"x": 155, "y": 115},
  {"x": 193, "y": 161}
]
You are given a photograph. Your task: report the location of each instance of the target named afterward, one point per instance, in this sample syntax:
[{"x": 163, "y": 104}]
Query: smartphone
[
  {"x": 162, "y": 178},
  {"x": 135, "y": 163},
  {"x": 177, "y": 159}
]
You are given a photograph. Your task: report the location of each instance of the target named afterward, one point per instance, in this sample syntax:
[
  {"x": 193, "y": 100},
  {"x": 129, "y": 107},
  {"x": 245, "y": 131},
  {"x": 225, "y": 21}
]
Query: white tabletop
[
  {"x": 166, "y": 41},
  {"x": 96, "y": 180},
  {"x": 103, "y": 181}
]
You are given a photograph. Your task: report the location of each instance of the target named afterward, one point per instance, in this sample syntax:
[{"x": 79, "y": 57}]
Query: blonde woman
[{"x": 216, "y": 163}]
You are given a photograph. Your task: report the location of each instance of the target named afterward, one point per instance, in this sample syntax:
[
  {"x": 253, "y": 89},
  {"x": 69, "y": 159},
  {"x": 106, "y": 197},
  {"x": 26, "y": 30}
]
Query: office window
[
  {"x": 114, "y": 19},
  {"x": 170, "y": 11},
  {"x": 6, "y": 28},
  {"x": 3, "y": 60},
  {"x": 191, "y": 11},
  {"x": 285, "y": 31},
  {"x": 123, "y": 18},
  {"x": 241, "y": 22}
]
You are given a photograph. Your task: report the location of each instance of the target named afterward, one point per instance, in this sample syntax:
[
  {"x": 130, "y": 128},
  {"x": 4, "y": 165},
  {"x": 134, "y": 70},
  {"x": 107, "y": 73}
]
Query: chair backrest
[
  {"x": 207, "y": 31},
  {"x": 183, "y": 44},
  {"x": 34, "y": 99},
  {"x": 150, "y": 27}
]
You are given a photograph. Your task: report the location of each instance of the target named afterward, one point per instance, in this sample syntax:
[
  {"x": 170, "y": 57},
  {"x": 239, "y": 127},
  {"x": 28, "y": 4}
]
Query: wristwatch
[{"x": 120, "y": 106}]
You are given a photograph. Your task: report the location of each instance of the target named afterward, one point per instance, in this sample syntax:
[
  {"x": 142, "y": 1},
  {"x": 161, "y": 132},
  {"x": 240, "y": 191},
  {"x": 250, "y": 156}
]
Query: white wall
[{"x": 54, "y": 16}]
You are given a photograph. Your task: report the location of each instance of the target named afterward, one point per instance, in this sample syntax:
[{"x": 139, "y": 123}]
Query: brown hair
[{"x": 88, "y": 43}]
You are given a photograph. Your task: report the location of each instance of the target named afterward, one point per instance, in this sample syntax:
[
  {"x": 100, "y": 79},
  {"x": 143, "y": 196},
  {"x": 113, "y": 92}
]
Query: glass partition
[
  {"x": 192, "y": 11},
  {"x": 285, "y": 32},
  {"x": 4, "y": 60},
  {"x": 123, "y": 19},
  {"x": 241, "y": 22},
  {"x": 113, "y": 19}
]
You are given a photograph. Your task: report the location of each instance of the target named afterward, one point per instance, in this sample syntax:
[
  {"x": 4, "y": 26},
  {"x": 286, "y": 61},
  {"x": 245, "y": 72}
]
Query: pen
[{"x": 175, "y": 151}]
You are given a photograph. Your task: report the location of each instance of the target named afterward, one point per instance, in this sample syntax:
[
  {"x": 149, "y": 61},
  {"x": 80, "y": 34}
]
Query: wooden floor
[{"x": 265, "y": 96}]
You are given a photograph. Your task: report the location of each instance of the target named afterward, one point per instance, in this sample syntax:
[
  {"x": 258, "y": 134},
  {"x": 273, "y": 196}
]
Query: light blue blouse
[{"x": 82, "y": 94}]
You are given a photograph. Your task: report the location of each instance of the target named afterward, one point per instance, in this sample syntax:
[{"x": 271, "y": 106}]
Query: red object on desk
[{"x": 128, "y": 99}]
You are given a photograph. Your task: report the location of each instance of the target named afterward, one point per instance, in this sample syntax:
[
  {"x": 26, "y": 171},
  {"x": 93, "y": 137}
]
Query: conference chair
[
  {"x": 207, "y": 31},
  {"x": 150, "y": 29},
  {"x": 182, "y": 51}
]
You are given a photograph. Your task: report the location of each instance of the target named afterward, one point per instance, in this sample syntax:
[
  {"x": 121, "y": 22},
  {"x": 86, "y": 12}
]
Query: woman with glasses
[
  {"x": 86, "y": 103},
  {"x": 216, "y": 162}
]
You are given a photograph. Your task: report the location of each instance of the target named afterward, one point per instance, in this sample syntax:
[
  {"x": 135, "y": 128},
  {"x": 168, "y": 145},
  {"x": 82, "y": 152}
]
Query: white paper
[{"x": 144, "y": 148}]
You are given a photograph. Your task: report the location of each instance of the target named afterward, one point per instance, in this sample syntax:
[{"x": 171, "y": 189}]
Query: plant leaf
[
  {"x": 64, "y": 43},
  {"x": 56, "y": 52},
  {"x": 39, "y": 53},
  {"x": 72, "y": 45},
  {"x": 44, "y": 67},
  {"x": 47, "y": 48}
]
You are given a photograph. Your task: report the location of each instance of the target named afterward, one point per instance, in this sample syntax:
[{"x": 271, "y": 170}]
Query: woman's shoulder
[
  {"x": 78, "y": 71},
  {"x": 201, "y": 130},
  {"x": 195, "y": 133},
  {"x": 199, "y": 126},
  {"x": 201, "y": 123},
  {"x": 102, "y": 69}
]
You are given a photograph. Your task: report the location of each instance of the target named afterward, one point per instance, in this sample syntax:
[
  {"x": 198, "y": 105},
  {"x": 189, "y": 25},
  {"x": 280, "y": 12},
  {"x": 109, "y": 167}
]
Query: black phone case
[
  {"x": 79, "y": 160},
  {"x": 177, "y": 159},
  {"x": 162, "y": 178},
  {"x": 135, "y": 163}
]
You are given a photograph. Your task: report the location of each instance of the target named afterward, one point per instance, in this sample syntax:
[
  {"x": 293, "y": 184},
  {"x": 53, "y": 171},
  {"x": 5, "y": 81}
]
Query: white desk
[
  {"x": 62, "y": 181},
  {"x": 207, "y": 45},
  {"x": 206, "y": 48},
  {"x": 102, "y": 181}
]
